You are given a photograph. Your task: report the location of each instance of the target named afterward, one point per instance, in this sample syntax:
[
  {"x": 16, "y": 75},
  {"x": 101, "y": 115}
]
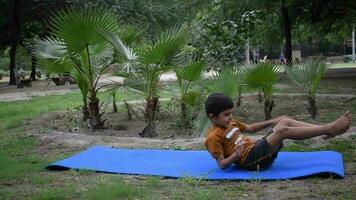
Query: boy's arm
[
  {"x": 226, "y": 162},
  {"x": 262, "y": 125}
]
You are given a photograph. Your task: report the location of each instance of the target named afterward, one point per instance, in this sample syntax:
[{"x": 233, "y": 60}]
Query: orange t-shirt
[{"x": 217, "y": 144}]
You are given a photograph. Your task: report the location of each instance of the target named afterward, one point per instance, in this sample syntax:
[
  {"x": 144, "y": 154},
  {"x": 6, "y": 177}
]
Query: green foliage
[
  {"x": 150, "y": 61},
  {"x": 191, "y": 73},
  {"x": 217, "y": 38},
  {"x": 130, "y": 34},
  {"x": 308, "y": 75},
  {"x": 228, "y": 82},
  {"x": 116, "y": 189},
  {"x": 261, "y": 76},
  {"x": 78, "y": 27}
]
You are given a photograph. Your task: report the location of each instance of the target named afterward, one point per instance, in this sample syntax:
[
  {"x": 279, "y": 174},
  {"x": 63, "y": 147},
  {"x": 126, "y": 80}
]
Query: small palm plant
[
  {"x": 228, "y": 82},
  {"x": 130, "y": 35},
  {"x": 77, "y": 31},
  {"x": 186, "y": 76},
  {"x": 262, "y": 77},
  {"x": 308, "y": 75},
  {"x": 53, "y": 59},
  {"x": 149, "y": 62}
]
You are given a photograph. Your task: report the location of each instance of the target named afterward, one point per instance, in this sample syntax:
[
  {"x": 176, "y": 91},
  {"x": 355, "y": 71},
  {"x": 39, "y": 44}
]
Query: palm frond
[
  {"x": 228, "y": 82},
  {"x": 79, "y": 27},
  {"x": 51, "y": 55},
  {"x": 201, "y": 125},
  {"x": 82, "y": 84},
  {"x": 166, "y": 50},
  {"x": 194, "y": 71},
  {"x": 127, "y": 57},
  {"x": 130, "y": 34},
  {"x": 261, "y": 76},
  {"x": 308, "y": 74}
]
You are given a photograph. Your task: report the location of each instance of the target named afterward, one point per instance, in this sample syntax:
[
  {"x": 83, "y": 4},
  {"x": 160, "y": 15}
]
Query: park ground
[{"x": 38, "y": 130}]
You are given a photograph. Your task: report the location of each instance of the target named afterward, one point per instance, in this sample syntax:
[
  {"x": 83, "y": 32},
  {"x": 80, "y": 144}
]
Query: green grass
[
  {"x": 345, "y": 146},
  {"x": 342, "y": 65},
  {"x": 113, "y": 189}
]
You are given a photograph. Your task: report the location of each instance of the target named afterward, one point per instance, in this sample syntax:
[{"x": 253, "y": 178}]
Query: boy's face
[{"x": 223, "y": 119}]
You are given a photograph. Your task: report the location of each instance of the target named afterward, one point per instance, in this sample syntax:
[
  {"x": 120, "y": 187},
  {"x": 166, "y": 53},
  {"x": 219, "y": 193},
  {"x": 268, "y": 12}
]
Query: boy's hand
[{"x": 239, "y": 148}]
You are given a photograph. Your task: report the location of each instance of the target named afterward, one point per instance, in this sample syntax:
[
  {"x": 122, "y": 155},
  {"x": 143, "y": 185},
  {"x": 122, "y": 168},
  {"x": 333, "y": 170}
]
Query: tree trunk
[
  {"x": 313, "y": 109},
  {"x": 16, "y": 32},
  {"x": 287, "y": 32},
  {"x": 128, "y": 110},
  {"x": 238, "y": 100},
  {"x": 259, "y": 97},
  {"x": 183, "y": 107},
  {"x": 185, "y": 122},
  {"x": 114, "y": 102},
  {"x": 268, "y": 108},
  {"x": 33, "y": 67},
  {"x": 149, "y": 113},
  {"x": 94, "y": 112},
  {"x": 85, "y": 110}
]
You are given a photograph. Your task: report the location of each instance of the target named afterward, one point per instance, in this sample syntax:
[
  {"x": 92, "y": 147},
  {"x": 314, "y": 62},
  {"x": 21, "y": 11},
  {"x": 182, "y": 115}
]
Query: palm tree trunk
[
  {"x": 33, "y": 67},
  {"x": 239, "y": 99},
  {"x": 185, "y": 122},
  {"x": 313, "y": 109},
  {"x": 114, "y": 102},
  {"x": 94, "y": 112},
  {"x": 128, "y": 110},
  {"x": 269, "y": 103},
  {"x": 85, "y": 110},
  {"x": 149, "y": 113},
  {"x": 183, "y": 107}
]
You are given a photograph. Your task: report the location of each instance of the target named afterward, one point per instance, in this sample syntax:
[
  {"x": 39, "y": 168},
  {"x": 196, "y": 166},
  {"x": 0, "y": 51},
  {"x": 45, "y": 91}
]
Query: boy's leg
[
  {"x": 281, "y": 132},
  {"x": 294, "y": 123}
]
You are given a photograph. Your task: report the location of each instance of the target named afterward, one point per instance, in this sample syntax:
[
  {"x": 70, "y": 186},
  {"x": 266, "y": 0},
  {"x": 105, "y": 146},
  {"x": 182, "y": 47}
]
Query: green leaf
[
  {"x": 130, "y": 34},
  {"x": 227, "y": 82},
  {"x": 261, "y": 76},
  {"x": 78, "y": 27},
  {"x": 194, "y": 71},
  {"x": 166, "y": 50},
  {"x": 308, "y": 75},
  {"x": 190, "y": 97}
]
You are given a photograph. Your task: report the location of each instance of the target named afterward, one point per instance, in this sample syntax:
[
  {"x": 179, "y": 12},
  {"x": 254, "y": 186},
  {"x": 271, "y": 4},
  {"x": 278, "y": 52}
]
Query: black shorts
[{"x": 260, "y": 157}]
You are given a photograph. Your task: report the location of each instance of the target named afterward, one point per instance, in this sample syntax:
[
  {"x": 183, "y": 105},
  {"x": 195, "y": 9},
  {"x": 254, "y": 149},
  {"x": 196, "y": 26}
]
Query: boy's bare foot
[{"x": 340, "y": 125}]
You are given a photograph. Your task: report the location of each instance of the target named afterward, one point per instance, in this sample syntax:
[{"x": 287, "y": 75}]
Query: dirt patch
[{"x": 66, "y": 129}]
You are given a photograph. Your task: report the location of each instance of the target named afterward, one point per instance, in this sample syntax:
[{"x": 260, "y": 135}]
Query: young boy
[{"x": 227, "y": 145}]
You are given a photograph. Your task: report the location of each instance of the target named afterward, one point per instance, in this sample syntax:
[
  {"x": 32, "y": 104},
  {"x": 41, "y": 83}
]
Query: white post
[
  {"x": 247, "y": 52},
  {"x": 353, "y": 45}
]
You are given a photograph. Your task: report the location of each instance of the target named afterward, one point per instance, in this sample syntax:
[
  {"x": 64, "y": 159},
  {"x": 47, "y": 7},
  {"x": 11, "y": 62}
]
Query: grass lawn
[
  {"x": 22, "y": 173},
  {"x": 342, "y": 65}
]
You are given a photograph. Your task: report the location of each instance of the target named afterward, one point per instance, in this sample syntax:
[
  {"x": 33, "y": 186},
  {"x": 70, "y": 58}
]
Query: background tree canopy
[{"x": 220, "y": 28}]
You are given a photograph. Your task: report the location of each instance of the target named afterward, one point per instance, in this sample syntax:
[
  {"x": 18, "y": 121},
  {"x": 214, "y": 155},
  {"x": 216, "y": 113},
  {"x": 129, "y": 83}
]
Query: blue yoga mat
[{"x": 199, "y": 164}]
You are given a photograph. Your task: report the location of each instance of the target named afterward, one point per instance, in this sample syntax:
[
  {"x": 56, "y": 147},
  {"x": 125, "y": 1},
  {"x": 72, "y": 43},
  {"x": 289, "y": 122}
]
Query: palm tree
[
  {"x": 130, "y": 35},
  {"x": 53, "y": 59},
  {"x": 186, "y": 76},
  {"x": 149, "y": 62},
  {"x": 308, "y": 75},
  {"x": 77, "y": 31},
  {"x": 262, "y": 76},
  {"x": 228, "y": 82}
]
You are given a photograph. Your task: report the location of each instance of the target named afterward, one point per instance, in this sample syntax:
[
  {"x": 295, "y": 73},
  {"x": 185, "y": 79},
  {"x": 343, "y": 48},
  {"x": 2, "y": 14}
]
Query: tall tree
[{"x": 22, "y": 20}]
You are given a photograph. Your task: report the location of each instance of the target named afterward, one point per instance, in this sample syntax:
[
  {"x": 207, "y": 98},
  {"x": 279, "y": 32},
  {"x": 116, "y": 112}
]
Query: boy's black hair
[{"x": 217, "y": 103}]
